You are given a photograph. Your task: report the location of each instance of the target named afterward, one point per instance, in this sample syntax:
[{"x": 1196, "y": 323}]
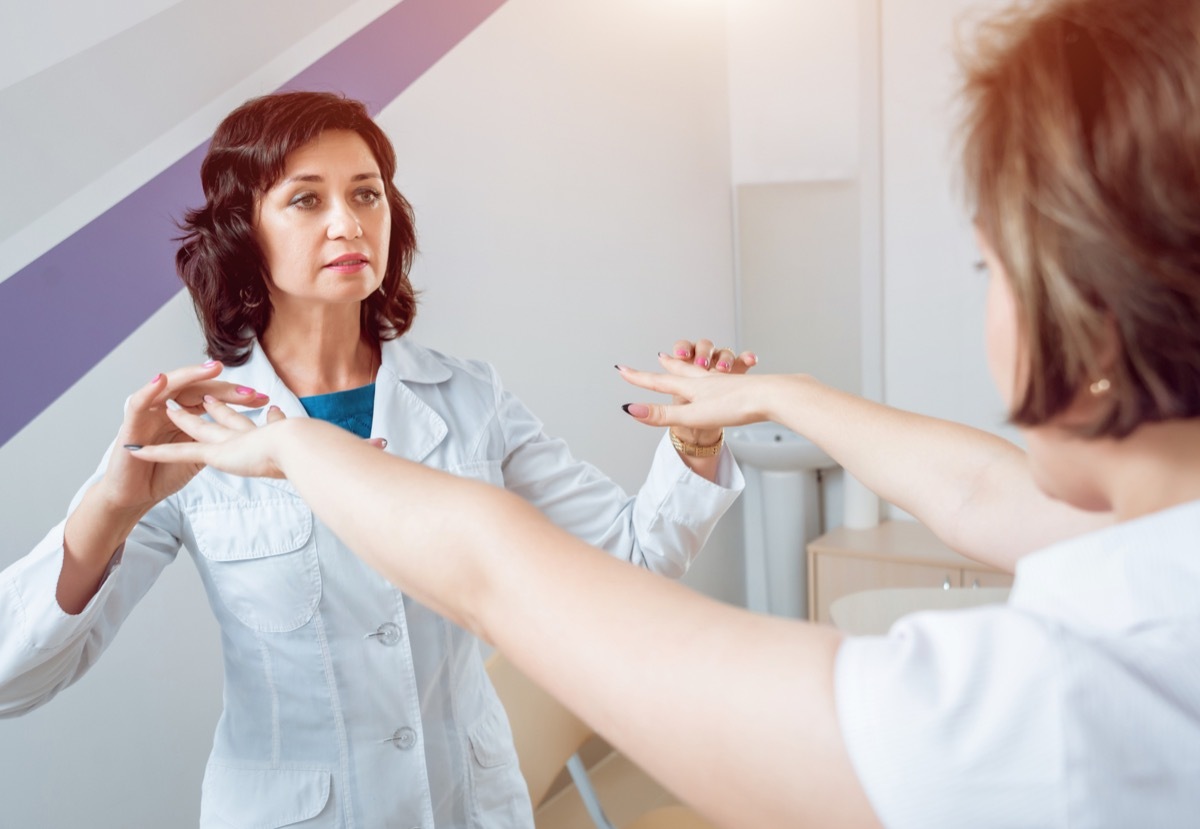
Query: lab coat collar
[
  {"x": 1118, "y": 578},
  {"x": 410, "y": 425}
]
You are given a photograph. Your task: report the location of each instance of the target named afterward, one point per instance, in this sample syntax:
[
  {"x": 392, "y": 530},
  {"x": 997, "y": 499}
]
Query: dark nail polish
[
  {"x": 133, "y": 447},
  {"x": 625, "y": 408}
]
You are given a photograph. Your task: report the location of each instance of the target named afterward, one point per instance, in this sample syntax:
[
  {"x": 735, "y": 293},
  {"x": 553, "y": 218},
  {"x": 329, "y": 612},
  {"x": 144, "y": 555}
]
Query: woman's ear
[{"x": 1096, "y": 387}]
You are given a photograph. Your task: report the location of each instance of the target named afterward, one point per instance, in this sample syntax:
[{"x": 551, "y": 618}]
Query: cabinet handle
[{"x": 946, "y": 583}]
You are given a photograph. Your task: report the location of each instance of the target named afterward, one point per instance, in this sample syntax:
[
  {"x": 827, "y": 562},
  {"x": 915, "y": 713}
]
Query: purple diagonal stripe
[{"x": 65, "y": 311}]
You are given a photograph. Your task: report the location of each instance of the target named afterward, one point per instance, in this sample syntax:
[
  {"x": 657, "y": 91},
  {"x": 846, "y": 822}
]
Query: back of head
[
  {"x": 1081, "y": 147},
  {"x": 219, "y": 258}
]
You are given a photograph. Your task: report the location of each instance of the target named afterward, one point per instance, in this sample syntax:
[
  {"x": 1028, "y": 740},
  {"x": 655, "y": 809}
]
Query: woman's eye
[
  {"x": 305, "y": 201},
  {"x": 369, "y": 196}
]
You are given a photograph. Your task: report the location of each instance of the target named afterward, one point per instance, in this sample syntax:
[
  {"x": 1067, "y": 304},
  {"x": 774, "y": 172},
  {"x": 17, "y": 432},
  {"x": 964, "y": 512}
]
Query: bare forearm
[
  {"x": 92, "y": 534},
  {"x": 972, "y": 488}
]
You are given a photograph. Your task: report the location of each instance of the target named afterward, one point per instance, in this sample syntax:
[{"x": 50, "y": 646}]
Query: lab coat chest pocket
[{"x": 261, "y": 559}]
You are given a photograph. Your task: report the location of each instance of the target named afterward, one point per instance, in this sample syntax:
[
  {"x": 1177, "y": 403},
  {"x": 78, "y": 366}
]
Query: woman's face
[
  {"x": 1000, "y": 326},
  {"x": 1061, "y": 463},
  {"x": 324, "y": 226}
]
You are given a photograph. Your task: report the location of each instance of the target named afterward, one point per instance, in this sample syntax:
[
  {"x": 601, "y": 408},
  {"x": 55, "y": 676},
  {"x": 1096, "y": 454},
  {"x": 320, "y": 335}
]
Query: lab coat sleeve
[
  {"x": 662, "y": 528},
  {"x": 43, "y": 649}
]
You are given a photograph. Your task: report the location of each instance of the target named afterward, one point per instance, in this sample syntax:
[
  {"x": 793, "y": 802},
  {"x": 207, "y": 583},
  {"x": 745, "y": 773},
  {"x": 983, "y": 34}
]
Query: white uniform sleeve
[
  {"x": 662, "y": 528},
  {"x": 44, "y": 649},
  {"x": 956, "y": 719}
]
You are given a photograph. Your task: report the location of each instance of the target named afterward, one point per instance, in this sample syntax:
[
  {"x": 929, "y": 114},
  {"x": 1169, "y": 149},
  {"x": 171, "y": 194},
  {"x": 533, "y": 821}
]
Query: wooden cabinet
[{"x": 894, "y": 554}]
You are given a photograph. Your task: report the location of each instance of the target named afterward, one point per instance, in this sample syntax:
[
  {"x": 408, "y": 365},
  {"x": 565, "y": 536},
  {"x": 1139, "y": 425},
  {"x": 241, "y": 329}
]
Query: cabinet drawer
[{"x": 836, "y": 576}]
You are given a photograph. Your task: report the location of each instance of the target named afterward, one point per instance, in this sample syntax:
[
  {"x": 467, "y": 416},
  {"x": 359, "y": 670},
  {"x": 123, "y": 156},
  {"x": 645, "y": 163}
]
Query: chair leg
[{"x": 587, "y": 793}]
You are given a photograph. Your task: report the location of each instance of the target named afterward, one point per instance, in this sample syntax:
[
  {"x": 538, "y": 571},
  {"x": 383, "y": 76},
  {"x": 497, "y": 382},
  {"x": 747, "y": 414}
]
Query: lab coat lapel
[{"x": 410, "y": 425}]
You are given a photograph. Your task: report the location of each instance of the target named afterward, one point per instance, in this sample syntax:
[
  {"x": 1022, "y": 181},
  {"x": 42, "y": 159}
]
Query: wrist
[
  {"x": 784, "y": 395},
  {"x": 285, "y": 436},
  {"x": 697, "y": 444}
]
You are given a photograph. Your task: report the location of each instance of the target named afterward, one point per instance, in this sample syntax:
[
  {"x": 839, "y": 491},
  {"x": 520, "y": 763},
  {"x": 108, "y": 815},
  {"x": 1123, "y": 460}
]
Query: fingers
[
  {"x": 192, "y": 395},
  {"x": 700, "y": 353},
  {"x": 708, "y": 356},
  {"x": 188, "y": 387},
  {"x": 653, "y": 414},
  {"x": 722, "y": 359},
  {"x": 227, "y": 417},
  {"x": 171, "y": 453},
  {"x": 662, "y": 383},
  {"x": 201, "y": 430},
  {"x": 743, "y": 362},
  {"x": 683, "y": 349}
]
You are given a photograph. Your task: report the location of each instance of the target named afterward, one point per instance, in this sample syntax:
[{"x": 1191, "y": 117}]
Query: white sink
[
  {"x": 781, "y": 513},
  {"x": 774, "y": 447}
]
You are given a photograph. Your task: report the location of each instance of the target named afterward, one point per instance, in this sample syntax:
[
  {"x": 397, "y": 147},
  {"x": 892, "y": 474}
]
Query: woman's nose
[{"x": 343, "y": 224}]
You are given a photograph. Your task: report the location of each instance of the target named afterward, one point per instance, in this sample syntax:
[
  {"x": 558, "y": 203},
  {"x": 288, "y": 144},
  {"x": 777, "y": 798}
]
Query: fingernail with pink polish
[
  {"x": 155, "y": 378},
  {"x": 208, "y": 398},
  {"x": 680, "y": 352},
  {"x": 723, "y": 365},
  {"x": 210, "y": 364},
  {"x": 702, "y": 361},
  {"x": 636, "y": 409},
  {"x": 244, "y": 390}
]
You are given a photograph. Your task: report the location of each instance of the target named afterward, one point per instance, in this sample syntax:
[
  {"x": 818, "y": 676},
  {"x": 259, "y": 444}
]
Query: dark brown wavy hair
[{"x": 219, "y": 257}]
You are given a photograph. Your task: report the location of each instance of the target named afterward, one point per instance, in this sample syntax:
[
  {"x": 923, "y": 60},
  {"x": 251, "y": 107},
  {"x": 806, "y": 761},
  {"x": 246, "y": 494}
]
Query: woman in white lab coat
[
  {"x": 347, "y": 703},
  {"x": 1077, "y": 703}
]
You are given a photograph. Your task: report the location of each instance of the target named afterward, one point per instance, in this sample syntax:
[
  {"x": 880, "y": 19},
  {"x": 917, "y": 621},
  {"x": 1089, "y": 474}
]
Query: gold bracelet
[{"x": 695, "y": 450}]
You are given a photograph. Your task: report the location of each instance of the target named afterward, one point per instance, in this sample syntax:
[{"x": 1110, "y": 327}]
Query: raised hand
[
  {"x": 230, "y": 442},
  {"x": 130, "y": 484},
  {"x": 698, "y": 359},
  {"x": 702, "y": 401}
]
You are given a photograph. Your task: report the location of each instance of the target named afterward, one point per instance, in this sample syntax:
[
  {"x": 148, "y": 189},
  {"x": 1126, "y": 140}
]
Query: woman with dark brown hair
[
  {"x": 346, "y": 702},
  {"x": 1076, "y": 703}
]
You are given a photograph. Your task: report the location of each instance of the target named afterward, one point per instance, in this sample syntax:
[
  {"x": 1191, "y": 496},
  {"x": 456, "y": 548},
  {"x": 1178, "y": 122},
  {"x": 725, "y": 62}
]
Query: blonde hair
[{"x": 1081, "y": 150}]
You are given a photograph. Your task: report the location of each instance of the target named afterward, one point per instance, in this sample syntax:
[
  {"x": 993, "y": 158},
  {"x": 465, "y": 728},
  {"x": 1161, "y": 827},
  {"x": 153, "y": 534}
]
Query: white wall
[
  {"x": 569, "y": 164},
  {"x": 934, "y": 297}
]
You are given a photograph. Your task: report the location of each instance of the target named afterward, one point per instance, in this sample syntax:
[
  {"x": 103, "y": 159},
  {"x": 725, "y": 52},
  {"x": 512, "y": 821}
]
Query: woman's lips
[{"x": 348, "y": 264}]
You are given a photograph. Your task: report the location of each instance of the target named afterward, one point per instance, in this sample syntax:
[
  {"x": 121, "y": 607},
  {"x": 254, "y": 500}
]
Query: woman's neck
[
  {"x": 319, "y": 353},
  {"x": 1155, "y": 468}
]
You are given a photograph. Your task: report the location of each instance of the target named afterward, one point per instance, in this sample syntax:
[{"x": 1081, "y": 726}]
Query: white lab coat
[{"x": 347, "y": 704}]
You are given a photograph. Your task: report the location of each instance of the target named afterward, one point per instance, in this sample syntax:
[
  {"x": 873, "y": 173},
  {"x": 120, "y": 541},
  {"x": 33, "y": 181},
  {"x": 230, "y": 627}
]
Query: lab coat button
[
  {"x": 404, "y": 738},
  {"x": 388, "y": 634}
]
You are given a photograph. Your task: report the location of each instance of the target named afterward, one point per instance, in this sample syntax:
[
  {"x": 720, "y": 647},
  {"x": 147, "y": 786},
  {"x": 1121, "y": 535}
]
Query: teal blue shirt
[{"x": 352, "y": 409}]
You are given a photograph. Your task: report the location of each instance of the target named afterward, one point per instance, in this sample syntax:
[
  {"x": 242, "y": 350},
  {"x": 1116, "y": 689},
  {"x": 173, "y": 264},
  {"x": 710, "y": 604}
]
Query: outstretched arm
[
  {"x": 974, "y": 490},
  {"x": 733, "y": 712}
]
